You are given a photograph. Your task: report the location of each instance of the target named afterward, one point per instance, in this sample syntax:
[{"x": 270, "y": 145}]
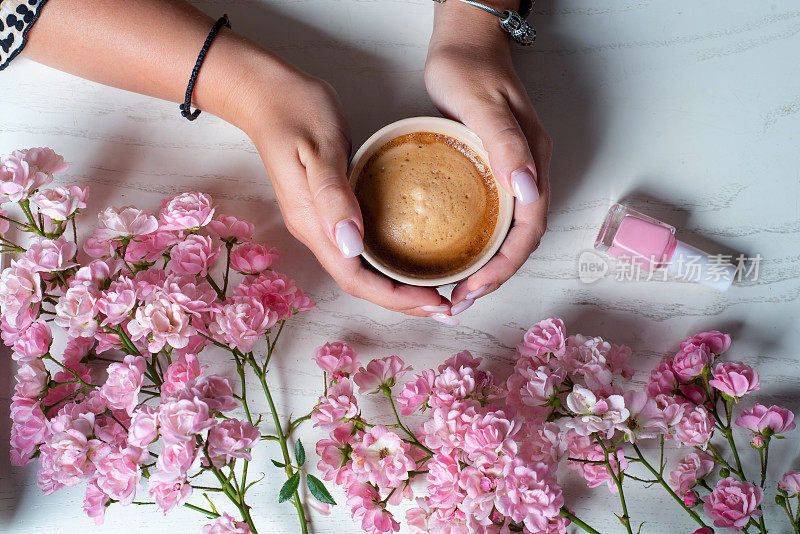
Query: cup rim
[{"x": 462, "y": 133}]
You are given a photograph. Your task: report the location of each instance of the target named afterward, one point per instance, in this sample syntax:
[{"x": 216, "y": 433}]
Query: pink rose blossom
[
  {"x": 76, "y": 311},
  {"x": 381, "y": 458},
  {"x": 96, "y": 247},
  {"x": 481, "y": 485},
  {"x": 704, "y": 530},
  {"x": 733, "y": 503},
  {"x": 588, "y": 356},
  {"x": 179, "y": 457},
  {"x": 65, "y": 457},
  {"x": 595, "y": 414},
  {"x": 186, "y": 211},
  {"x": 416, "y": 393},
  {"x": 169, "y": 489},
  {"x": 48, "y": 255},
  {"x": 545, "y": 337},
  {"x": 444, "y": 474},
  {"x": 252, "y": 258},
  {"x": 214, "y": 390},
  {"x": 241, "y": 322},
  {"x": 161, "y": 322},
  {"x": 28, "y": 428},
  {"x": 691, "y": 498},
  {"x": 459, "y": 360},
  {"x": 61, "y": 202},
  {"x": 180, "y": 372},
  {"x": 373, "y": 518},
  {"x": 276, "y": 292},
  {"x": 181, "y": 420},
  {"x": 95, "y": 503},
  {"x": 690, "y": 362},
  {"x": 117, "y": 474},
  {"x": 151, "y": 247},
  {"x": 717, "y": 342},
  {"x": 734, "y": 379},
  {"x": 337, "y": 359},
  {"x": 446, "y": 427},
  {"x": 491, "y": 435},
  {"x": 231, "y": 439},
  {"x": 20, "y": 288},
  {"x": 790, "y": 483},
  {"x": 380, "y": 373},
  {"x": 143, "y": 429},
  {"x": 33, "y": 343},
  {"x": 124, "y": 222},
  {"x": 194, "y": 255},
  {"x": 31, "y": 379},
  {"x": 758, "y": 441},
  {"x": 117, "y": 301},
  {"x": 334, "y": 463},
  {"x": 695, "y": 429},
  {"x": 98, "y": 272},
  {"x": 192, "y": 295},
  {"x": 776, "y": 419},
  {"x": 646, "y": 420},
  {"x": 531, "y": 386},
  {"x": 226, "y": 524},
  {"x": 542, "y": 442},
  {"x": 531, "y": 494},
  {"x": 121, "y": 389},
  {"x": 689, "y": 471},
  {"x": 20, "y": 175},
  {"x": 44, "y": 159},
  {"x": 230, "y": 228}
]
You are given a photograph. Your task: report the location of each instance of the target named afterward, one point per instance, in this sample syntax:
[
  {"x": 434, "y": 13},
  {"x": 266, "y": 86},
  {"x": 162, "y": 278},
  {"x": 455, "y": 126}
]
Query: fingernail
[
  {"x": 348, "y": 238},
  {"x": 446, "y": 319},
  {"x": 439, "y": 308},
  {"x": 461, "y": 306},
  {"x": 472, "y": 295},
  {"x": 524, "y": 186}
]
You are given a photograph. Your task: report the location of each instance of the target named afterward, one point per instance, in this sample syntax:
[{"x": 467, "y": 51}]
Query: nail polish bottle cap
[{"x": 690, "y": 263}]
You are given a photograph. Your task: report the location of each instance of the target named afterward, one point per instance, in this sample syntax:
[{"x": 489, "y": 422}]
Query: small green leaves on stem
[
  {"x": 299, "y": 453},
  {"x": 289, "y": 487},
  {"x": 279, "y": 465},
  {"x": 318, "y": 490}
]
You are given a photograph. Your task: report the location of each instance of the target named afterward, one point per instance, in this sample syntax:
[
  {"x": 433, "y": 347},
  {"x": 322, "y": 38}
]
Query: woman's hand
[
  {"x": 298, "y": 126},
  {"x": 470, "y": 78}
]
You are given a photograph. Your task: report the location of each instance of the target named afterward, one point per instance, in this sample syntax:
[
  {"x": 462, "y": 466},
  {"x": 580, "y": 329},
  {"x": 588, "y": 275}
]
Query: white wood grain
[{"x": 688, "y": 110}]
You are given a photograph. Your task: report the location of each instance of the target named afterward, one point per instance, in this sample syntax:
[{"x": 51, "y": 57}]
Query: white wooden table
[{"x": 689, "y": 110}]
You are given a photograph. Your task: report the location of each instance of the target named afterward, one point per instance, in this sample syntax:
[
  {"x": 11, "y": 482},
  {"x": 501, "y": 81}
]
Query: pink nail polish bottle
[{"x": 649, "y": 243}]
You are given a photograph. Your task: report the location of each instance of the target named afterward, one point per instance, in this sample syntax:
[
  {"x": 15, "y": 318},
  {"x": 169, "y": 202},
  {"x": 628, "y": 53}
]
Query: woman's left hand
[{"x": 470, "y": 78}]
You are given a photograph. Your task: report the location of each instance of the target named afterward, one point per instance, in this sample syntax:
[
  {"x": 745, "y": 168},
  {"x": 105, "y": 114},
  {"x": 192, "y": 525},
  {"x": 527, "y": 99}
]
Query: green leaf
[
  {"x": 289, "y": 487},
  {"x": 299, "y": 453},
  {"x": 318, "y": 490},
  {"x": 276, "y": 463}
]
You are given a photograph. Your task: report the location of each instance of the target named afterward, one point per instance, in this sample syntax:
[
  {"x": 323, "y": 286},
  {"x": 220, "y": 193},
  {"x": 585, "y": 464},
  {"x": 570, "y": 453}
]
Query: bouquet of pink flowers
[
  {"x": 127, "y": 400},
  {"x": 488, "y": 451}
]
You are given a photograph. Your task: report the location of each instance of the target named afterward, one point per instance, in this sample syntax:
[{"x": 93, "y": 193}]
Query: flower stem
[
  {"x": 625, "y": 519},
  {"x": 569, "y": 515},
  {"x": 664, "y": 484},
  {"x": 261, "y": 374}
]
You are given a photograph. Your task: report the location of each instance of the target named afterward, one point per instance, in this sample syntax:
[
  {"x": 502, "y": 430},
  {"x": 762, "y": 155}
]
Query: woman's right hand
[{"x": 298, "y": 126}]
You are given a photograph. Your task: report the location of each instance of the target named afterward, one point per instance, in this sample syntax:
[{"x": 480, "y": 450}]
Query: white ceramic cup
[{"x": 455, "y": 130}]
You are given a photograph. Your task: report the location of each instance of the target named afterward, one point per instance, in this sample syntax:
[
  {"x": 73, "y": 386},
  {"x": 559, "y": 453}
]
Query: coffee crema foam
[{"x": 429, "y": 202}]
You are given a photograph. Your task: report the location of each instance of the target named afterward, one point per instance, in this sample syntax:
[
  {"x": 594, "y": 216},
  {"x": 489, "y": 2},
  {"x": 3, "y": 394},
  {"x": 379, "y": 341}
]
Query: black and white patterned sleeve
[{"x": 16, "y": 19}]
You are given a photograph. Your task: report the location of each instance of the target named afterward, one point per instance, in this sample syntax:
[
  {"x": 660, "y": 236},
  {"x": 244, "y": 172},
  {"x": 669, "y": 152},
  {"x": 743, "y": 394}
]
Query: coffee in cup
[{"x": 432, "y": 209}]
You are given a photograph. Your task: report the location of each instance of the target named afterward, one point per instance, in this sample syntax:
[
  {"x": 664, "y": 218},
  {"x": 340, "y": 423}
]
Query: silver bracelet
[{"x": 511, "y": 21}]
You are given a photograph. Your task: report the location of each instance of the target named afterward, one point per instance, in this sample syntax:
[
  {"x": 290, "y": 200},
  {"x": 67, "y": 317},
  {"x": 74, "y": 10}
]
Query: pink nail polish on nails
[
  {"x": 461, "y": 306},
  {"x": 651, "y": 245},
  {"x": 472, "y": 295},
  {"x": 446, "y": 319},
  {"x": 348, "y": 238},
  {"x": 441, "y": 308},
  {"x": 524, "y": 186}
]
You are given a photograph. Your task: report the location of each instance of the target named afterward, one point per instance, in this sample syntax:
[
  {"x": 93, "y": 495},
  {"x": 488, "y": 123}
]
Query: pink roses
[
  {"x": 733, "y": 503},
  {"x": 760, "y": 419}
]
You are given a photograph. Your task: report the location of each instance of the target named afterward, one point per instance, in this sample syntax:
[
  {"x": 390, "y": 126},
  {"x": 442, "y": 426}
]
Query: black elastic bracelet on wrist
[{"x": 186, "y": 107}]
